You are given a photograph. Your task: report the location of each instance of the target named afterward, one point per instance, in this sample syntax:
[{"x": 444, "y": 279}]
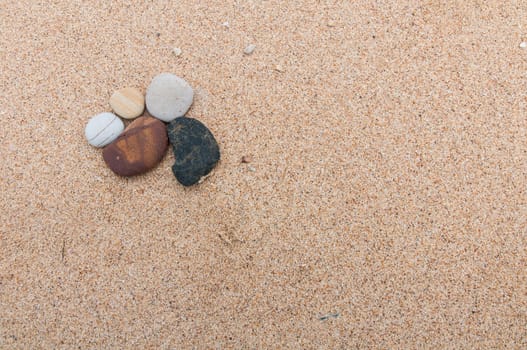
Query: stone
[
  {"x": 168, "y": 97},
  {"x": 177, "y": 51},
  {"x": 128, "y": 103},
  {"x": 103, "y": 129},
  {"x": 249, "y": 49},
  {"x": 139, "y": 148},
  {"x": 195, "y": 149}
]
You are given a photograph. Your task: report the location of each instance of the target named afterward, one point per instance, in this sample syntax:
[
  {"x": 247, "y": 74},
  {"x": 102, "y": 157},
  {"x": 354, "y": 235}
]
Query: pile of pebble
[{"x": 140, "y": 146}]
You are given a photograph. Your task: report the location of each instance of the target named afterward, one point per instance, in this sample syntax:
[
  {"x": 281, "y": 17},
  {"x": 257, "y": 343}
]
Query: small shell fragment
[{"x": 249, "y": 49}]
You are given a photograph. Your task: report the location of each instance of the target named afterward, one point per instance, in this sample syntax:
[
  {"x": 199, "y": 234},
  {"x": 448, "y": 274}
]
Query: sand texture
[{"x": 384, "y": 206}]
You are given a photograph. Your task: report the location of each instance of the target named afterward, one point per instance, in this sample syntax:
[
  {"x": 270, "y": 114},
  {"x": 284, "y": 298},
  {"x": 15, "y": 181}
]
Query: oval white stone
[
  {"x": 249, "y": 49},
  {"x": 168, "y": 97},
  {"x": 102, "y": 129}
]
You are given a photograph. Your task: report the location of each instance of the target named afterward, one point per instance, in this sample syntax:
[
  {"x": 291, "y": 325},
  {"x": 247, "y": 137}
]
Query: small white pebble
[
  {"x": 103, "y": 129},
  {"x": 226, "y": 24},
  {"x": 177, "y": 51},
  {"x": 251, "y": 168},
  {"x": 331, "y": 23},
  {"x": 249, "y": 49},
  {"x": 523, "y": 45}
]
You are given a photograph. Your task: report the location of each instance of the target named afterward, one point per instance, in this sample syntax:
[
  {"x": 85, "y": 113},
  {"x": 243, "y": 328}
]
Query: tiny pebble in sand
[
  {"x": 249, "y": 49},
  {"x": 177, "y": 51}
]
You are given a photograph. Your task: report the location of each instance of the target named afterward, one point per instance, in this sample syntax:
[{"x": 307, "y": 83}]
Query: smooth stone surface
[
  {"x": 128, "y": 103},
  {"x": 103, "y": 128},
  {"x": 168, "y": 97},
  {"x": 195, "y": 149},
  {"x": 139, "y": 148}
]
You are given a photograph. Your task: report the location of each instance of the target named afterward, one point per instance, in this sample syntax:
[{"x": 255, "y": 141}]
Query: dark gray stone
[{"x": 195, "y": 149}]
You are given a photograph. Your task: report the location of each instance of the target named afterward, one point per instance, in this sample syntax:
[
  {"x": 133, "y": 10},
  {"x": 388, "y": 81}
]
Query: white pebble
[
  {"x": 168, "y": 97},
  {"x": 226, "y": 24},
  {"x": 177, "y": 51},
  {"x": 249, "y": 49},
  {"x": 523, "y": 45},
  {"x": 103, "y": 129}
]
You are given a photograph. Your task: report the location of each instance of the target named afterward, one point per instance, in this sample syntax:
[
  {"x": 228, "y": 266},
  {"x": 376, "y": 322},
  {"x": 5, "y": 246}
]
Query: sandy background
[{"x": 389, "y": 182}]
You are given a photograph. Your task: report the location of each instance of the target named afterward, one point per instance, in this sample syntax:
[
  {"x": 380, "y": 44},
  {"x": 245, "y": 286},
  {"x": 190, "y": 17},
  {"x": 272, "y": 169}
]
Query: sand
[{"x": 384, "y": 206}]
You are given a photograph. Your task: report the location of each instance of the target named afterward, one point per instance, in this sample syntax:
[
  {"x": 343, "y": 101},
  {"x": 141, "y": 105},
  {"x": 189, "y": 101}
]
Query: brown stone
[{"x": 139, "y": 148}]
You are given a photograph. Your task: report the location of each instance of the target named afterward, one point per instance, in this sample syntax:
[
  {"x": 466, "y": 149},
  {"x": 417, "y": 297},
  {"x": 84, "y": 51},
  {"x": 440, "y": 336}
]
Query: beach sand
[{"x": 384, "y": 206}]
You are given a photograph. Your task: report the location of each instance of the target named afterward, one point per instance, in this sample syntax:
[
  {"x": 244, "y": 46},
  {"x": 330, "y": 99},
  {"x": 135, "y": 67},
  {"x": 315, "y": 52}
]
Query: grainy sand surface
[{"x": 385, "y": 205}]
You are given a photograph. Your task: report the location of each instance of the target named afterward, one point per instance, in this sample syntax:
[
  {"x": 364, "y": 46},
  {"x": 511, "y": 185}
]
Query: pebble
[
  {"x": 168, "y": 97},
  {"x": 177, "y": 51},
  {"x": 195, "y": 149},
  {"x": 128, "y": 103},
  {"x": 139, "y": 148},
  {"x": 249, "y": 49},
  {"x": 523, "y": 45},
  {"x": 103, "y": 128}
]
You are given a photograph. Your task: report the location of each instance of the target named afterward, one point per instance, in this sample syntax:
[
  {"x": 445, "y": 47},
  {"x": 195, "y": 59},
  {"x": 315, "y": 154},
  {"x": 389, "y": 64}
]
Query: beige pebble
[
  {"x": 128, "y": 103},
  {"x": 279, "y": 68}
]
